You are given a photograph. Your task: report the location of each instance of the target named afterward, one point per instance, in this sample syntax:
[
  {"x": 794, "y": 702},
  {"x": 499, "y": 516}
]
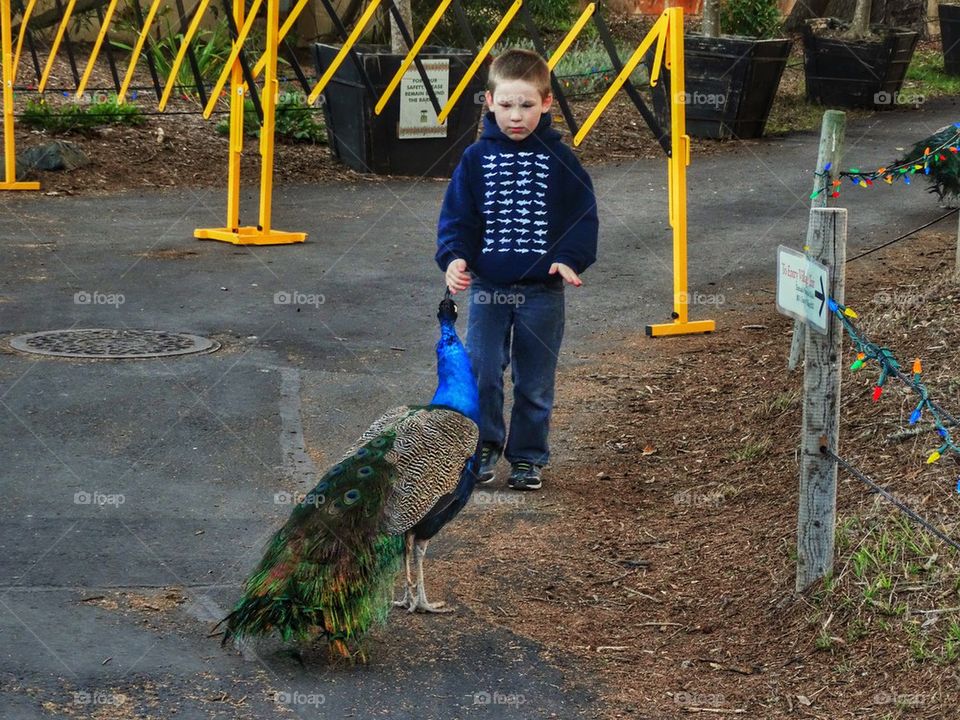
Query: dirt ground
[{"x": 666, "y": 566}]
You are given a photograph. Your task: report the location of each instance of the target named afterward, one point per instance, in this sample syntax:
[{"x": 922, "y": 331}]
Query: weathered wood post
[
  {"x": 956, "y": 264},
  {"x": 821, "y": 409},
  {"x": 832, "y": 132}
]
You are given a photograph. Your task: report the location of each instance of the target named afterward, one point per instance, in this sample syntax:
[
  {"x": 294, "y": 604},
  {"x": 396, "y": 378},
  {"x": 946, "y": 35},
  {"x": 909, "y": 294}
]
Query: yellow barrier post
[
  {"x": 263, "y": 233},
  {"x": 677, "y": 183},
  {"x": 181, "y": 53},
  {"x": 9, "y": 142}
]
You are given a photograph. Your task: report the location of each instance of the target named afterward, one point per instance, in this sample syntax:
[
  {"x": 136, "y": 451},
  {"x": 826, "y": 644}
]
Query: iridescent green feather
[{"x": 330, "y": 569}]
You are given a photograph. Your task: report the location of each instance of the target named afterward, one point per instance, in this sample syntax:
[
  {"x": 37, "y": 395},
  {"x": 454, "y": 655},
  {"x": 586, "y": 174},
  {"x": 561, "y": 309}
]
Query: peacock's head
[{"x": 448, "y": 309}]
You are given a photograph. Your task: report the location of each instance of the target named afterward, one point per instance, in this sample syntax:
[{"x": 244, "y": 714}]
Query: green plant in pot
[
  {"x": 856, "y": 64},
  {"x": 733, "y": 69}
]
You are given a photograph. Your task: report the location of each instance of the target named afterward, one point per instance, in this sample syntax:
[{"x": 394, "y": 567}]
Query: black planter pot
[
  {"x": 730, "y": 85},
  {"x": 950, "y": 37},
  {"x": 841, "y": 73},
  {"x": 371, "y": 143}
]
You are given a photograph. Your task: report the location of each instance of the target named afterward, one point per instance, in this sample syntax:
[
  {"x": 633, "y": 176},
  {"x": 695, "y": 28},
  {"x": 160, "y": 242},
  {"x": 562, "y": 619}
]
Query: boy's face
[{"x": 517, "y": 106}]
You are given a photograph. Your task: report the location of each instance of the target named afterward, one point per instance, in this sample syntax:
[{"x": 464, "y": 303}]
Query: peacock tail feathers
[
  {"x": 944, "y": 174},
  {"x": 330, "y": 570}
]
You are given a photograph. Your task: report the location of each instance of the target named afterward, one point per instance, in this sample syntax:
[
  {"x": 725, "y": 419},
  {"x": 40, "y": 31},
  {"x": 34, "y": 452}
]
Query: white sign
[
  {"x": 417, "y": 116},
  {"x": 803, "y": 288}
]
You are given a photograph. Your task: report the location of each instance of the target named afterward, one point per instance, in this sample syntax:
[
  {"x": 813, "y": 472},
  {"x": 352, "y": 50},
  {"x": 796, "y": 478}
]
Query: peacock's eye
[
  {"x": 365, "y": 472},
  {"x": 351, "y": 496},
  {"x": 362, "y": 452}
]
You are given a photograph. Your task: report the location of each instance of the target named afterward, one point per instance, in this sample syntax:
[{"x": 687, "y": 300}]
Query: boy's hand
[
  {"x": 457, "y": 276},
  {"x": 566, "y": 272}
]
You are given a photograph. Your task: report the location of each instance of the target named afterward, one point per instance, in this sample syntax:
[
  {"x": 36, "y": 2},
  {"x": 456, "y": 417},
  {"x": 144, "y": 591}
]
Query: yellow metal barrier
[
  {"x": 9, "y": 144},
  {"x": 475, "y": 65},
  {"x": 404, "y": 66},
  {"x": 263, "y": 233},
  {"x": 182, "y": 53},
  {"x": 107, "y": 16},
  {"x": 137, "y": 49},
  {"x": 338, "y": 58},
  {"x": 28, "y": 11},
  {"x": 572, "y": 35},
  {"x": 56, "y": 45},
  {"x": 677, "y": 183},
  {"x": 232, "y": 59}
]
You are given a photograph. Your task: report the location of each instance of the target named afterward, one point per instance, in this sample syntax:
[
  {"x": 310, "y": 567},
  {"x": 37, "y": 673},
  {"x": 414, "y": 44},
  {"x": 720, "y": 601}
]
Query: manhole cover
[{"x": 104, "y": 343}]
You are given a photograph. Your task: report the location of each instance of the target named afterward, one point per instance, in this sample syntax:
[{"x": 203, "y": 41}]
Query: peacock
[
  {"x": 330, "y": 570},
  {"x": 941, "y": 161}
]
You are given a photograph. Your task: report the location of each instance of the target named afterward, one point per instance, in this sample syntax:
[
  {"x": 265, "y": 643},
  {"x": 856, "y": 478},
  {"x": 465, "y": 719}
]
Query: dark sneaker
[
  {"x": 525, "y": 476},
  {"x": 489, "y": 455}
]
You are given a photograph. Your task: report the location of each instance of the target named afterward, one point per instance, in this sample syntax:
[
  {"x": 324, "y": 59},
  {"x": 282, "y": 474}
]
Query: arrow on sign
[{"x": 821, "y": 296}]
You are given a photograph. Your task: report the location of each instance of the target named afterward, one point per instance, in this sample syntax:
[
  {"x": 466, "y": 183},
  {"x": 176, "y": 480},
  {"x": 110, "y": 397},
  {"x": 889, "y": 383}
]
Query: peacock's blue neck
[{"x": 457, "y": 385}]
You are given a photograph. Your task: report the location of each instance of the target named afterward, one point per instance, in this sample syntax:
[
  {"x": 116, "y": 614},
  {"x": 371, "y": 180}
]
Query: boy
[{"x": 518, "y": 220}]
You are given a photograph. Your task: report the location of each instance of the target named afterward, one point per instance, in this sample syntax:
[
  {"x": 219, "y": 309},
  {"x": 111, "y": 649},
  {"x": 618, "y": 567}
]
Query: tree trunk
[
  {"x": 397, "y": 45},
  {"x": 802, "y": 11},
  {"x": 860, "y": 26},
  {"x": 711, "y": 18}
]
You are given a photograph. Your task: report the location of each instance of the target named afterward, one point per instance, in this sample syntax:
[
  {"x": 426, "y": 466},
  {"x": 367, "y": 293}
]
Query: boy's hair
[{"x": 520, "y": 64}]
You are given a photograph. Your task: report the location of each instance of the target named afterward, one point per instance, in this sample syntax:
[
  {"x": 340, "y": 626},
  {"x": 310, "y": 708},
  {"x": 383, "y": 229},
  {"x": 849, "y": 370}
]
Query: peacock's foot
[
  {"x": 408, "y": 601},
  {"x": 421, "y": 605}
]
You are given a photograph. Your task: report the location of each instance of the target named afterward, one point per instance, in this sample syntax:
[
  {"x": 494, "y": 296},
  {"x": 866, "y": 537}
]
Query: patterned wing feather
[{"x": 432, "y": 446}]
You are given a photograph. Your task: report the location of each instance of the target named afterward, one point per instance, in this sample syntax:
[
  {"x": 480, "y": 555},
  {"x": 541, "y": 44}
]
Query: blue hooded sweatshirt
[{"x": 513, "y": 208}]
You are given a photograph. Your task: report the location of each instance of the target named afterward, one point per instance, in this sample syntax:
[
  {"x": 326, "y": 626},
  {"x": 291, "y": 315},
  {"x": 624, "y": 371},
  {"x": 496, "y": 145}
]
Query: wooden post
[
  {"x": 832, "y": 132},
  {"x": 821, "y": 409},
  {"x": 956, "y": 265}
]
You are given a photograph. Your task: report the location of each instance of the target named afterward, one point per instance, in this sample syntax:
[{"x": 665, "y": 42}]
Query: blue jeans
[{"x": 520, "y": 324}]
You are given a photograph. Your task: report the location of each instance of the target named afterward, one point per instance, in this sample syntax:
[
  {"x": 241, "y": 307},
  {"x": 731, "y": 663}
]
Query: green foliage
[
  {"x": 295, "y": 122},
  {"x": 211, "y": 49},
  {"x": 751, "y": 18},
  {"x": 926, "y": 76},
  {"x": 585, "y": 69},
  {"x": 550, "y": 16},
  {"x": 39, "y": 114}
]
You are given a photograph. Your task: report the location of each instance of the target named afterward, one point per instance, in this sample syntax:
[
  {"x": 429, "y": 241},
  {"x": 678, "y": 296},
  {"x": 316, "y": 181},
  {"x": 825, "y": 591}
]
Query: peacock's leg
[
  {"x": 409, "y": 596},
  {"x": 421, "y": 604}
]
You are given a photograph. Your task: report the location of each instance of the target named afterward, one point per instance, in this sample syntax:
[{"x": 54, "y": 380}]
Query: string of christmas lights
[
  {"x": 890, "y": 368},
  {"x": 945, "y": 152}
]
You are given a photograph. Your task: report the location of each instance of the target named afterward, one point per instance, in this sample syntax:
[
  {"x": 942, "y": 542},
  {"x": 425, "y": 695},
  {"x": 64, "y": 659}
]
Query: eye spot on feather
[
  {"x": 362, "y": 452},
  {"x": 364, "y": 472},
  {"x": 378, "y": 442},
  {"x": 351, "y": 496},
  {"x": 336, "y": 469}
]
